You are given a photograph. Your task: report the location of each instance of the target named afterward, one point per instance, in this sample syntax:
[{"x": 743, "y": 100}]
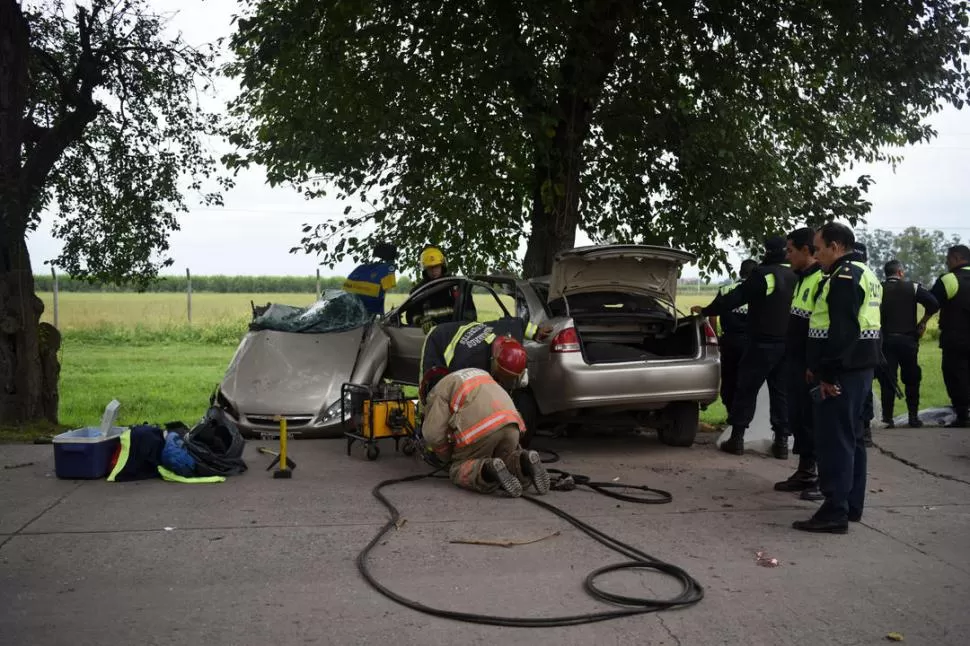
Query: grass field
[{"x": 139, "y": 349}]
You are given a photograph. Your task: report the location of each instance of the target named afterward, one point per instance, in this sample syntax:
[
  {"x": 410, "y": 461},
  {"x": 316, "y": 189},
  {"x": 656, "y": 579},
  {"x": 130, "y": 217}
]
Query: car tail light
[
  {"x": 710, "y": 337},
  {"x": 566, "y": 341}
]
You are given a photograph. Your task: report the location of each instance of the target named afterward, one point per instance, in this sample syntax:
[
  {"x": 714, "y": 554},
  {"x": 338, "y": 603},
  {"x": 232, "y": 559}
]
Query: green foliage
[
  {"x": 116, "y": 134},
  {"x": 922, "y": 252},
  {"x": 216, "y": 284},
  {"x": 664, "y": 122}
]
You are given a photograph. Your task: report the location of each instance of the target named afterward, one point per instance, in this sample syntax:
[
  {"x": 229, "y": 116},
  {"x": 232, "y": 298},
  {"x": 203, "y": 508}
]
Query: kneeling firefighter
[{"x": 471, "y": 423}]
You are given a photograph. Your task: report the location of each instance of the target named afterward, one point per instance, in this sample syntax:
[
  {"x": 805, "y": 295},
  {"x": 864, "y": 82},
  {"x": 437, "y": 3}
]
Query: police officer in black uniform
[
  {"x": 801, "y": 256},
  {"x": 844, "y": 349},
  {"x": 952, "y": 290},
  {"x": 900, "y": 339},
  {"x": 732, "y": 330},
  {"x": 768, "y": 294}
]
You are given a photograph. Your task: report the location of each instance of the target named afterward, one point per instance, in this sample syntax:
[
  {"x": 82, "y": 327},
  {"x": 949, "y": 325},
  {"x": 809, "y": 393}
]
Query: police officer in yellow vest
[
  {"x": 732, "y": 333},
  {"x": 952, "y": 290},
  {"x": 844, "y": 348},
  {"x": 801, "y": 255}
]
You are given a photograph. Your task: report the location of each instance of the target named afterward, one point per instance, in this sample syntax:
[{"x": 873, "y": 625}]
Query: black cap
[{"x": 775, "y": 248}]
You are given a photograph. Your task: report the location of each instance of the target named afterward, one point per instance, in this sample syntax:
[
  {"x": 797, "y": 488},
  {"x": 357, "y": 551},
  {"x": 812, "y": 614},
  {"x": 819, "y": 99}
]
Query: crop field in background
[{"x": 140, "y": 349}]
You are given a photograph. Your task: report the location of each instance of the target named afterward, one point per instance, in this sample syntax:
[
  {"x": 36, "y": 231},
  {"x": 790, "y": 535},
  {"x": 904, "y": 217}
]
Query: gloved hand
[
  {"x": 432, "y": 459},
  {"x": 427, "y": 324}
]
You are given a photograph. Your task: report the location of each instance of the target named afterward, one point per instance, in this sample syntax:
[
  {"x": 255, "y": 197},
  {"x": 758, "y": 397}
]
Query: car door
[{"x": 407, "y": 338}]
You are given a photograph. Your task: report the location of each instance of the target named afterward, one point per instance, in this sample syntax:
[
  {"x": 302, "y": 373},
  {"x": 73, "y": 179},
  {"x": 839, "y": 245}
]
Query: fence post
[
  {"x": 54, "y": 277},
  {"x": 318, "y": 283},
  {"x": 188, "y": 277}
]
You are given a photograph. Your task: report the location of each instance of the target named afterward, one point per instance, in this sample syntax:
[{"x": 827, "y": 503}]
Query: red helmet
[{"x": 508, "y": 357}]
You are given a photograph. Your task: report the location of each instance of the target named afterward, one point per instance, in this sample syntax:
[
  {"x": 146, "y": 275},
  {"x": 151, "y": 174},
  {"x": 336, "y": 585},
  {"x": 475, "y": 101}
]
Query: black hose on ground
[{"x": 691, "y": 591}]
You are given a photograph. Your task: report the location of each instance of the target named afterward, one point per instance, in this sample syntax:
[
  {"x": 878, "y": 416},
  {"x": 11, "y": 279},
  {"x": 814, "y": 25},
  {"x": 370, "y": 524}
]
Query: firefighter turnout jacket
[
  {"x": 952, "y": 290},
  {"x": 463, "y": 407},
  {"x": 844, "y": 327},
  {"x": 459, "y": 345}
]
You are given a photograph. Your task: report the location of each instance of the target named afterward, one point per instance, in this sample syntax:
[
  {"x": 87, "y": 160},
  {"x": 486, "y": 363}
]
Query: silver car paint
[{"x": 299, "y": 376}]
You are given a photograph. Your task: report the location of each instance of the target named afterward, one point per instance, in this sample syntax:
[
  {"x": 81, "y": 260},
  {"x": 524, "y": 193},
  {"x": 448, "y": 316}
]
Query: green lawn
[{"x": 167, "y": 382}]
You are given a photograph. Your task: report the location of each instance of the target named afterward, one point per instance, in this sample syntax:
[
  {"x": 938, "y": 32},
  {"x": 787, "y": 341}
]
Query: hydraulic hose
[{"x": 691, "y": 591}]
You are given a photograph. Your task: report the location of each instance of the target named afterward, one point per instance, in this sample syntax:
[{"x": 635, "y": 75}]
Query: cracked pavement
[{"x": 257, "y": 560}]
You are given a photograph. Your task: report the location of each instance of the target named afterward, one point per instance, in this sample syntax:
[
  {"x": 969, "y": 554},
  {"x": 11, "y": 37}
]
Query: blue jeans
[{"x": 840, "y": 448}]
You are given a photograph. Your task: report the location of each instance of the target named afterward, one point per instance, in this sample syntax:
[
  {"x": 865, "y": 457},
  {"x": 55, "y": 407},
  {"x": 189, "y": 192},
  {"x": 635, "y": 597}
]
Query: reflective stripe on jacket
[{"x": 464, "y": 407}]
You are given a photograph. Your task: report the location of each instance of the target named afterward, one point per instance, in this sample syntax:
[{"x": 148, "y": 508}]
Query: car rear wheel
[
  {"x": 680, "y": 422},
  {"x": 525, "y": 403}
]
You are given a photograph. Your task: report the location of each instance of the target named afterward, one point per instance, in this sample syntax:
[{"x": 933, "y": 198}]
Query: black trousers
[
  {"x": 840, "y": 447},
  {"x": 800, "y": 412},
  {"x": 732, "y": 349},
  {"x": 762, "y": 361},
  {"x": 956, "y": 376},
  {"x": 902, "y": 356}
]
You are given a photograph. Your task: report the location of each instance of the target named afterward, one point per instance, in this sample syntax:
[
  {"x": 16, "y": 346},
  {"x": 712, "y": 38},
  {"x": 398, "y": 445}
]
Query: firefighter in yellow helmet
[{"x": 440, "y": 306}]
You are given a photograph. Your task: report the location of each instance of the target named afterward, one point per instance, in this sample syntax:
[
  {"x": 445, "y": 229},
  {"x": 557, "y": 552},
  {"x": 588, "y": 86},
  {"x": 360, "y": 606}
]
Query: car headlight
[{"x": 333, "y": 410}]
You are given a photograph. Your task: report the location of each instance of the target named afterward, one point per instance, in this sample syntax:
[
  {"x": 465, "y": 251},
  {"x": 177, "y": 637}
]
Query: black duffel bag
[{"x": 216, "y": 445}]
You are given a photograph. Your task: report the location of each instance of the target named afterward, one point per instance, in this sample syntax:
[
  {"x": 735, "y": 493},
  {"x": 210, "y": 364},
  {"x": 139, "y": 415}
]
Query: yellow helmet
[{"x": 432, "y": 257}]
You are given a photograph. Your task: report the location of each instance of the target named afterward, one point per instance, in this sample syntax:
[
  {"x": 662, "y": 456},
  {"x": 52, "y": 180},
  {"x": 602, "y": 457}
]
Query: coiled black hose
[{"x": 691, "y": 591}]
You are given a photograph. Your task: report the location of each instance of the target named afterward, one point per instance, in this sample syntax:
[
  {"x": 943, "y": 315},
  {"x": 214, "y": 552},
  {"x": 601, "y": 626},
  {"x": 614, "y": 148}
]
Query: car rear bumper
[{"x": 567, "y": 382}]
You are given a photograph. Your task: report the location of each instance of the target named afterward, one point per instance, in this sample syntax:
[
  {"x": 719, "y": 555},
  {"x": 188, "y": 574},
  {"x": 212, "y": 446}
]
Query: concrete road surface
[{"x": 261, "y": 561}]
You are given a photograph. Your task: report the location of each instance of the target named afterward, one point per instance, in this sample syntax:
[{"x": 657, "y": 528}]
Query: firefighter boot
[
  {"x": 494, "y": 470},
  {"x": 533, "y": 469},
  {"x": 735, "y": 443}
]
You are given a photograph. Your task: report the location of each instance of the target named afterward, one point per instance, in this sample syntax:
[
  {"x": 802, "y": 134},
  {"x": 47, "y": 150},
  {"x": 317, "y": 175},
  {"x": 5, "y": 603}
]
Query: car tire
[
  {"x": 681, "y": 420},
  {"x": 525, "y": 403}
]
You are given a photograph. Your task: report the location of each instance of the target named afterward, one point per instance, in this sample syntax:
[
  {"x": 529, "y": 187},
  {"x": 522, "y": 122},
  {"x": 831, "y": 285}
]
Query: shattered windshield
[{"x": 336, "y": 311}]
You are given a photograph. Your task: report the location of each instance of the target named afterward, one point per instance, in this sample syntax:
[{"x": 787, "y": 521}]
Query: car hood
[
  {"x": 640, "y": 269},
  {"x": 289, "y": 373}
]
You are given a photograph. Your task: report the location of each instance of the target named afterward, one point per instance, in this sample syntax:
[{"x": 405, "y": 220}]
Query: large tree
[
  {"x": 100, "y": 126},
  {"x": 665, "y": 121}
]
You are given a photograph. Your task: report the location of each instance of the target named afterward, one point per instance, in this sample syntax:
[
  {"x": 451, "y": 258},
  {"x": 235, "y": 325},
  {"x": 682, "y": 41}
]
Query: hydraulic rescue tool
[{"x": 376, "y": 413}]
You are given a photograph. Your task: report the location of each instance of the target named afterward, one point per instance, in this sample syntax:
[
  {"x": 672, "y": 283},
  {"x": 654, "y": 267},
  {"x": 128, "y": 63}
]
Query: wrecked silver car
[{"x": 293, "y": 361}]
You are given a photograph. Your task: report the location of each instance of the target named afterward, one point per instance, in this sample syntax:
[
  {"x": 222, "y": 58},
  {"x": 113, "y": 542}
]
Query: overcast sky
[{"x": 253, "y": 232}]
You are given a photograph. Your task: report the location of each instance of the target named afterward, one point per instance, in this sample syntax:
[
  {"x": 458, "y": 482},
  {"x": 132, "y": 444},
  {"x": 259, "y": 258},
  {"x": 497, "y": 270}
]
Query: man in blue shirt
[{"x": 371, "y": 281}]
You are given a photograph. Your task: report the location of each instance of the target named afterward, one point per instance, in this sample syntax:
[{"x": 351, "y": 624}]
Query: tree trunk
[
  {"x": 22, "y": 381},
  {"x": 555, "y": 214},
  {"x": 601, "y": 31},
  {"x": 21, "y": 374}
]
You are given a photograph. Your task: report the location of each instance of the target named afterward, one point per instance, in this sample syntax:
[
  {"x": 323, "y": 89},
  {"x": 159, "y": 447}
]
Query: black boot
[
  {"x": 914, "y": 420},
  {"x": 779, "y": 447},
  {"x": 888, "y": 421},
  {"x": 735, "y": 443},
  {"x": 962, "y": 420},
  {"x": 804, "y": 478},
  {"x": 812, "y": 494}
]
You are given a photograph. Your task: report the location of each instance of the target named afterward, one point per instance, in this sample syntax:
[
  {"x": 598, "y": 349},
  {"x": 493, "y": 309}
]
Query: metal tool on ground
[
  {"x": 382, "y": 412},
  {"x": 290, "y": 464},
  {"x": 623, "y": 606},
  {"x": 284, "y": 470}
]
